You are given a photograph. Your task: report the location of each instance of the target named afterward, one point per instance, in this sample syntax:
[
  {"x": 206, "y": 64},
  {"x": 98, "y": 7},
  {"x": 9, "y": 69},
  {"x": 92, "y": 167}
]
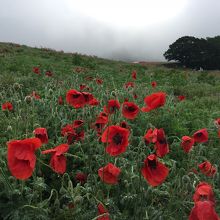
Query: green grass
[{"x": 47, "y": 195}]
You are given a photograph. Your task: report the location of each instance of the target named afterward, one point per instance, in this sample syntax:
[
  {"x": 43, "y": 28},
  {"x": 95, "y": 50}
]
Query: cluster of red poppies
[
  {"x": 37, "y": 71},
  {"x": 22, "y": 158},
  {"x": 204, "y": 208},
  {"x": 7, "y": 106},
  {"x": 73, "y": 132},
  {"x": 80, "y": 99},
  {"x": 187, "y": 144}
]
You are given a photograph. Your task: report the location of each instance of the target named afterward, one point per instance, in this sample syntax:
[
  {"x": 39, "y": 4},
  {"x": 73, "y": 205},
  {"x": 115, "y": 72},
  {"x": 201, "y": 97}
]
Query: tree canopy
[{"x": 195, "y": 52}]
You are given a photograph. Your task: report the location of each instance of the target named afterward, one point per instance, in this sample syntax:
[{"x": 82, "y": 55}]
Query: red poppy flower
[
  {"x": 124, "y": 124},
  {"x": 203, "y": 210},
  {"x": 82, "y": 87},
  {"x": 203, "y": 192},
  {"x": 129, "y": 84},
  {"x": 103, "y": 114},
  {"x": 201, "y": 136},
  {"x": 77, "y": 123},
  {"x": 194, "y": 171},
  {"x": 130, "y": 110},
  {"x": 217, "y": 124},
  {"x": 161, "y": 145},
  {"x": 112, "y": 106},
  {"x": 187, "y": 143},
  {"x": 100, "y": 122},
  {"x": 41, "y": 133},
  {"x": 21, "y": 157},
  {"x": 134, "y": 75},
  {"x": 7, "y": 106},
  {"x": 116, "y": 138},
  {"x": 72, "y": 132},
  {"x": 58, "y": 160},
  {"x": 181, "y": 97},
  {"x": 102, "y": 210},
  {"x": 36, "y": 70},
  {"x": 99, "y": 81},
  {"x": 71, "y": 205},
  {"x": 90, "y": 99},
  {"x": 94, "y": 102},
  {"x": 154, "y": 135},
  {"x": 148, "y": 136},
  {"x": 154, "y": 101},
  {"x": 66, "y": 130},
  {"x": 76, "y": 136},
  {"x": 80, "y": 99},
  {"x": 87, "y": 96},
  {"x": 154, "y": 84},
  {"x": 217, "y": 121},
  {"x": 109, "y": 174},
  {"x": 153, "y": 171},
  {"x": 60, "y": 100},
  {"x": 81, "y": 177},
  {"x": 49, "y": 73},
  {"x": 35, "y": 95},
  {"x": 135, "y": 96},
  {"x": 207, "y": 168},
  {"x": 75, "y": 99}
]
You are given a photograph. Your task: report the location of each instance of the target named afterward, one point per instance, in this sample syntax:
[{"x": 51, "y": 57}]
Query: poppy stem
[
  {"x": 104, "y": 215},
  {"x": 43, "y": 163},
  {"x": 72, "y": 155}
]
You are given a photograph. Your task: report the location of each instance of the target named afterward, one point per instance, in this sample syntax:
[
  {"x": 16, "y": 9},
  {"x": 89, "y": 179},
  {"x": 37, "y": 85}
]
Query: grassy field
[{"x": 49, "y": 195}]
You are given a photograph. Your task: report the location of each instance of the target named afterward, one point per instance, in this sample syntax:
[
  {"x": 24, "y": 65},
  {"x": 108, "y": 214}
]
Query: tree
[{"x": 195, "y": 53}]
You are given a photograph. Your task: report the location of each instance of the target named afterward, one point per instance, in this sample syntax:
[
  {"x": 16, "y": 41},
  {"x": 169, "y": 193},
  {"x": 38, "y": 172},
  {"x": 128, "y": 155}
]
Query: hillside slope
[{"x": 36, "y": 82}]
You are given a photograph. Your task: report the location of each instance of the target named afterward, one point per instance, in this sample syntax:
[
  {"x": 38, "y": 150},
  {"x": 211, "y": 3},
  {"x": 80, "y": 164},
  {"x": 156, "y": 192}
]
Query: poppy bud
[
  {"x": 28, "y": 99},
  {"x": 71, "y": 205},
  {"x": 9, "y": 128},
  {"x": 126, "y": 183},
  {"x": 113, "y": 93},
  {"x": 50, "y": 91},
  {"x": 78, "y": 199},
  {"x": 62, "y": 190},
  {"x": 17, "y": 86}
]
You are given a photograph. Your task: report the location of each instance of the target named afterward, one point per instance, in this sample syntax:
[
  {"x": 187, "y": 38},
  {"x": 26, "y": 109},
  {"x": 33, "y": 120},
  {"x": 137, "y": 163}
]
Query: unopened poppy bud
[
  {"x": 9, "y": 128},
  {"x": 186, "y": 179},
  {"x": 113, "y": 93},
  {"x": 50, "y": 91},
  {"x": 11, "y": 179},
  {"x": 16, "y": 192},
  {"x": 126, "y": 183},
  {"x": 62, "y": 190},
  {"x": 36, "y": 125},
  {"x": 28, "y": 99},
  {"x": 17, "y": 86},
  {"x": 71, "y": 205},
  {"x": 78, "y": 199}
]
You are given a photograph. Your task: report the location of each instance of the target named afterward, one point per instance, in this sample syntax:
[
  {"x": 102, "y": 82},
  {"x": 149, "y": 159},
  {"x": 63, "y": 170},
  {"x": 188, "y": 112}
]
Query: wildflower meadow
[{"x": 86, "y": 138}]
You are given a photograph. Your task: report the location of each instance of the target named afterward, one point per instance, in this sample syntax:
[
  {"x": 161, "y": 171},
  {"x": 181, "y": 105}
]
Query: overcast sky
[{"x": 118, "y": 29}]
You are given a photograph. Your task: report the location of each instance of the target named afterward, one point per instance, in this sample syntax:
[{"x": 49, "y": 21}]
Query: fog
[{"x": 124, "y": 30}]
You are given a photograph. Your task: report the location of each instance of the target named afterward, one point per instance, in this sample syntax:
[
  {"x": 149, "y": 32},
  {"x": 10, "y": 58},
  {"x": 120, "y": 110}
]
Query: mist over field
[
  {"x": 127, "y": 31},
  {"x": 82, "y": 137}
]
